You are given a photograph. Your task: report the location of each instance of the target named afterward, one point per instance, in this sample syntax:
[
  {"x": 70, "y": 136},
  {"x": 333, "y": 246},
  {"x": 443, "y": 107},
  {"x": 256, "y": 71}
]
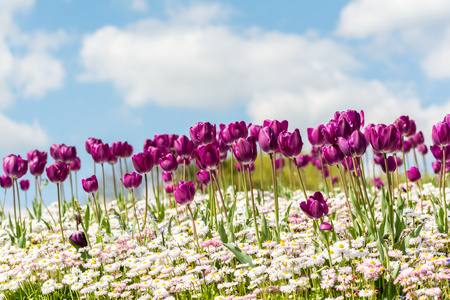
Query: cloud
[
  {"x": 139, "y": 5},
  {"x": 192, "y": 60}
]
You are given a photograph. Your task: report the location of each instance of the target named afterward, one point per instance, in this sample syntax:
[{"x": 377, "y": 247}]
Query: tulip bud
[
  {"x": 184, "y": 192},
  {"x": 440, "y": 134},
  {"x": 204, "y": 177},
  {"x": 268, "y": 140},
  {"x": 168, "y": 163},
  {"x": 315, "y": 136},
  {"x": 325, "y": 226},
  {"x": 78, "y": 239},
  {"x": 132, "y": 181},
  {"x": 332, "y": 155},
  {"x": 203, "y": 133},
  {"x": 100, "y": 153},
  {"x": 90, "y": 184},
  {"x": 207, "y": 157},
  {"x": 391, "y": 164},
  {"x": 75, "y": 165},
  {"x": 24, "y": 184},
  {"x": 169, "y": 188},
  {"x": 245, "y": 150},
  {"x": 14, "y": 166},
  {"x": 315, "y": 207},
  {"x": 302, "y": 161},
  {"x": 90, "y": 142},
  {"x": 184, "y": 146},
  {"x": 166, "y": 176},
  {"x": 354, "y": 146},
  {"x": 143, "y": 162},
  {"x": 290, "y": 144},
  {"x": 57, "y": 172},
  {"x": 5, "y": 181},
  {"x": 413, "y": 174}
]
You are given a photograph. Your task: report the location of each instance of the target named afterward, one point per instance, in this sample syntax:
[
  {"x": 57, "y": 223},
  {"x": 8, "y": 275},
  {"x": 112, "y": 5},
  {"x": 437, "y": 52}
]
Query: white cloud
[
  {"x": 205, "y": 64},
  {"x": 20, "y": 136},
  {"x": 139, "y": 5}
]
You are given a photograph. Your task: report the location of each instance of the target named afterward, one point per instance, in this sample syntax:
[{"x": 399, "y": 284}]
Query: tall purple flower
[
  {"x": 168, "y": 163},
  {"x": 143, "y": 162},
  {"x": 332, "y": 155},
  {"x": 208, "y": 157},
  {"x": 57, "y": 172},
  {"x": 78, "y": 239},
  {"x": 14, "y": 166},
  {"x": 68, "y": 153},
  {"x": 245, "y": 150},
  {"x": 385, "y": 139},
  {"x": 90, "y": 142},
  {"x": 37, "y": 162},
  {"x": 418, "y": 139},
  {"x": 391, "y": 164},
  {"x": 440, "y": 134},
  {"x": 290, "y": 144},
  {"x": 90, "y": 184},
  {"x": 355, "y": 145},
  {"x": 405, "y": 126},
  {"x": 302, "y": 161},
  {"x": 100, "y": 153},
  {"x": 24, "y": 184},
  {"x": 75, "y": 165},
  {"x": 5, "y": 181},
  {"x": 413, "y": 174},
  {"x": 161, "y": 140},
  {"x": 132, "y": 181},
  {"x": 238, "y": 130},
  {"x": 204, "y": 177},
  {"x": 203, "y": 133},
  {"x": 276, "y": 126},
  {"x": 316, "y": 137},
  {"x": 315, "y": 207},
  {"x": 184, "y": 192},
  {"x": 254, "y": 131},
  {"x": 184, "y": 146},
  {"x": 268, "y": 140}
]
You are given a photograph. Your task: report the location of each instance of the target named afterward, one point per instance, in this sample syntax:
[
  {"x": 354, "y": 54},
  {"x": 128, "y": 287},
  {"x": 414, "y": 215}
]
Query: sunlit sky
[{"x": 125, "y": 70}]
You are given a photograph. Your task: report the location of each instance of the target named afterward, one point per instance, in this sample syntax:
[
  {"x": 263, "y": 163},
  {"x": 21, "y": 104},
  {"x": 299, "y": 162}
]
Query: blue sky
[{"x": 125, "y": 70}]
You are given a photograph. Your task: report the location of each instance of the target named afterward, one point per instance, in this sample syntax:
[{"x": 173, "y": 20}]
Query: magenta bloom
[
  {"x": 385, "y": 139},
  {"x": 90, "y": 184},
  {"x": 315, "y": 136},
  {"x": 37, "y": 163},
  {"x": 405, "y": 126},
  {"x": 302, "y": 161},
  {"x": 90, "y": 142},
  {"x": 79, "y": 239},
  {"x": 169, "y": 188},
  {"x": 254, "y": 131},
  {"x": 332, "y": 155},
  {"x": 422, "y": 149},
  {"x": 208, "y": 157},
  {"x": 57, "y": 172},
  {"x": 290, "y": 144},
  {"x": 418, "y": 139},
  {"x": 68, "y": 154},
  {"x": 100, "y": 153},
  {"x": 325, "y": 226},
  {"x": 184, "y": 192},
  {"x": 276, "y": 126},
  {"x": 55, "y": 152},
  {"x": 355, "y": 145},
  {"x": 14, "y": 166},
  {"x": 391, "y": 164},
  {"x": 203, "y": 133},
  {"x": 268, "y": 140},
  {"x": 5, "y": 181},
  {"x": 132, "y": 181},
  {"x": 204, "y": 177},
  {"x": 168, "y": 163},
  {"x": 348, "y": 121},
  {"x": 111, "y": 158},
  {"x": 413, "y": 174},
  {"x": 35, "y": 153},
  {"x": 24, "y": 184},
  {"x": 315, "y": 207},
  {"x": 184, "y": 146},
  {"x": 440, "y": 134},
  {"x": 161, "y": 140},
  {"x": 245, "y": 150},
  {"x": 238, "y": 130},
  {"x": 143, "y": 162},
  {"x": 75, "y": 165}
]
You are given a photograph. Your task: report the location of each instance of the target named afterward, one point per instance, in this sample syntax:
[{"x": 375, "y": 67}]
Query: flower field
[{"x": 190, "y": 221}]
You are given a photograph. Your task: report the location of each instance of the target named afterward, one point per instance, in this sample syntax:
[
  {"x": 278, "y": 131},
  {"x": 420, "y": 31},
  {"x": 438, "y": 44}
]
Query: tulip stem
[
  {"x": 232, "y": 175},
  {"x": 220, "y": 194},
  {"x": 301, "y": 181},
  {"x": 275, "y": 195},
  {"x": 184, "y": 169},
  {"x": 104, "y": 199},
  {"x": 135, "y": 215},
  {"x": 96, "y": 209},
  {"x": 254, "y": 209},
  {"x": 365, "y": 191},
  {"x": 42, "y": 201},
  {"x": 76, "y": 185},
  {"x": 146, "y": 201},
  {"x": 193, "y": 225},
  {"x": 14, "y": 200},
  {"x": 176, "y": 203},
  {"x": 443, "y": 190},
  {"x": 71, "y": 183},
  {"x": 323, "y": 173},
  {"x": 157, "y": 182},
  {"x": 346, "y": 194},
  {"x": 158, "y": 203},
  {"x": 114, "y": 181},
  {"x": 261, "y": 171},
  {"x": 18, "y": 199},
  {"x": 121, "y": 182},
  {"x": 406, "y": 177},
  {"x": 59, "y": 211}
]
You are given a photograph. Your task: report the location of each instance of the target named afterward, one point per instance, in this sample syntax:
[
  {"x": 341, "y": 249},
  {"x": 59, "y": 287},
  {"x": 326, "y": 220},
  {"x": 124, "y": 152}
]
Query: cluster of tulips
[{"x": 361, "y": 210}]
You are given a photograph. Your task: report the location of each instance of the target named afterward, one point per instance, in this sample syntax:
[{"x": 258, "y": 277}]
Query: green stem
[
  {"x": 135, "y": 215},
  {"x": 301, "y": 180},
  {"x": 443, "y": 190},
  {"x": 146, "y": 201},
  {"x": 59, "y": 210},
  {"x": 220, "y": 193},
  {"x": 254, "y": 209},
  {"x": 275, "y": 194}
]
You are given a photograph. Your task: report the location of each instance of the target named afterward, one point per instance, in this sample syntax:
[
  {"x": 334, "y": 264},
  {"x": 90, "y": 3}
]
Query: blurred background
[{"x": 126, "y": 70}]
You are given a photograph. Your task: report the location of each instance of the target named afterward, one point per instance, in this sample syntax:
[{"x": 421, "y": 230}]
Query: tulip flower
[
  {"x": 14, "y": 166},
  {"x": 385, "y": 139},
  {"x": 148, "y": 143},
  {"x": 90, "y": 184},
  {"x": 440, "y": 134},
  {"x": 413, "y": 174},
  {"x": 378, "y": 183},
  {"x": 5, "y": 181},
  {"x": 204, "y": 177},
  {"x": 37, "y": 165},
  {"x": 184, "y": 192},
  {"x": 75, "y": 165},
  {"x": 332, "y": 155},
  {"x": 329, "y": 133},
  {"x": 276, "y": 126},
  {"x": 422, "y": 149},
  {"x": 184, "y": 146},
  {"x": 315, "y": 207},
  {"x": 143, "y": 162},
  {"x": 169, "y": 188},
  {"x": 254, "y": 131},
  {"x": 302, "y": 161},
  {"x": 315, "y": 136},
  {"x": 100, "y": 153},
  {"x": 168, "y": 163},
  {"x": 391, "y": 164},
  {"x": 78, "y": 239},
  {"x": 161, "y": 140},
  {"x": 132, "y": 181},
  {"x": 238, "y": 130},
  {"x": 55, "y": 152},
  {"x": 68, "y": 154},
  {"x": 57, "y": 172},
  {"x": 245, "y": 150},
  {"x": 208, "y": 157},
  {"x": 268, "y": 140},
  {"x": 351, "y": 119},
  {"x": 418, "y": 139},
  {"x": 24, "y": 184},
  {"x": 290, "y": 144},
  {"x": 353, "y": 146},
  {"x": 325, "y": 226},
  {"x": 37, "y": 154},
  {"x": 166, "y": 176},
  {"x": 203, "y": 133},
  {"x": 90, "y": 142}
]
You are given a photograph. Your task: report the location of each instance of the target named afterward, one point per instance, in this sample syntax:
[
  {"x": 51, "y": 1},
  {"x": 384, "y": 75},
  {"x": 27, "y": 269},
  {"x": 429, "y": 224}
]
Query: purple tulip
[
  {"x": 378, "y": 183},
  {"x": 78, "y": 239},
  {"x": 14, "y": 166},
  {"x": 418, "y": 139},
  {"x": 143, "y": 162},
  {"x": 405, "y": 126},
  {"x": 351, "y": 119},
  {"x": 90, "y": 184},
  {"x": 280, "y": 163},
  {"x": 68, "y": 153},
  {"x": 225, "y": 135},
  {"x": 5, "y": 181},
  {"x": 316, "y": 137},
  {"x": 184, "y": 146},
  {"x": 184, "y": 192},
  {"x": 391, "y": 164},
  {"x": 399, "y": 161},
  {"x": 302, "y": 161},
  {"x": 100, "y": 153},
  {"x": 90, "y": 142},
  {"x": 168, "y": 163},
  {"x": 203, "y": 133},
  {"x": 332, "y": 155},
  {"x": 204, "y": 177},
  {"x": 290, "y": 144},
  {"x": 112, "y": 160},
  {"x": 169, "y": 188},
  {"x": 329, "y": 133},
  {"x": 407, "y": 146},
  {"x": 57, "y": 172},
  {"x": 355, "y": 145},
  {"x": 325, "y": 226},
  {"x": 385, "y": 139},
  {"x": 440, "y": 134},
  {"x": 368, "y": 132},
  {"x": 55, "y": 152},
  {"x": 172, "y": 138},
  {"x": 437, "y": 166},
  {"x": 78, "y": 219},
  {"x": 75, "y": 165},
  {"x": 161, "y": 140},
  {"x": 208, "y": 157},
  {"x": 413, "y": 174},
  {"x": 35, "y": 153},
  {"x": 238, "y": 130},
  {"x": 37, "y": 163},
  {"x": 268, "y": 140},
  {"x": 245, "y": 150},
  {"x": 422, "y": 149},
  {"x": 276, "y": 126},
  {"x": 315, "y": 207},
  {"x": 254, "y": 131},
  {"x": 148, "y": 143},
  {"x": 132, "y": 181},
  {"x": 24, "y": 184},
  {"x": 438, "y": 152},
  {"x": 166, "y": 176}
]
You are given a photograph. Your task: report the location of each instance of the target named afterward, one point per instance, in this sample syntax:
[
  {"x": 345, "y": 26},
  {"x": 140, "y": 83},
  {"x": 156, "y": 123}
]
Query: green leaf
[
  {"x": 264, "y": 229},
  {"x": 87, "y": 217},
  {"x": 399, "y": 226},
  {"x": 30, "y": 214},
  {"x": 243, "y": 257},
  {"x": 169, "y": 228},
  {"x": 231, "y": 237},
  {"x": 286, "y": 214},
  {"x": 155, "y": 228},
  {"x": 231, "y": 211},
  {"x": 22, "y": 242},
  {"x": 47, "y": 224},
  {"x": 352, "y": 232},
  {"x": 223, "y": 233}
]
